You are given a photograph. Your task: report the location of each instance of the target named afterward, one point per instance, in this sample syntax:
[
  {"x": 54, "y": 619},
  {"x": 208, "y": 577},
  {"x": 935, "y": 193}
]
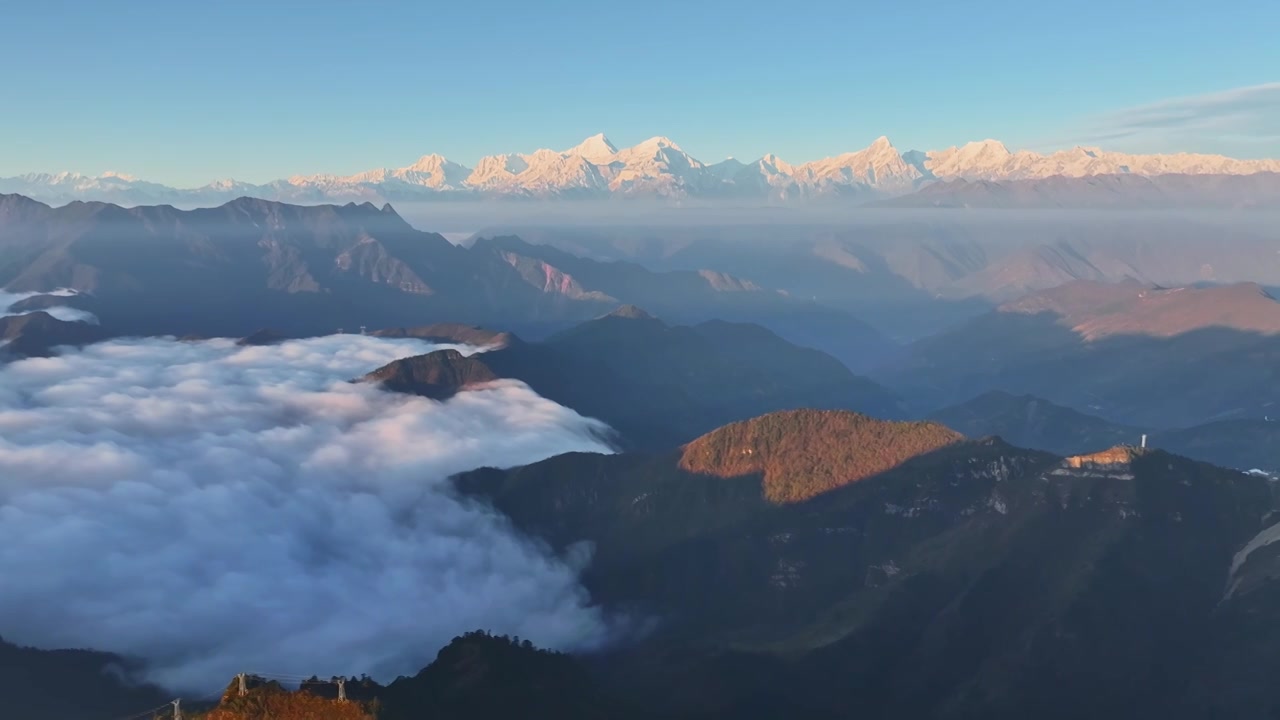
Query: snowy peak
[
  {"x": 429, "y": 163},
  {"x": 881, "y": 144},
  {"x": 543, "y": 172},
  {"x": 656, "y": 167},
  {"x": 775, "y": 165},
  {"x": 596, "y": 150},
  {"x": 657, "y": 143},
  {"x": 879, "y": 166}
]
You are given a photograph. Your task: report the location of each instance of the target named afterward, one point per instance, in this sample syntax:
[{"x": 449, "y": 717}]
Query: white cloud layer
[{"x": 215, "y": 509}]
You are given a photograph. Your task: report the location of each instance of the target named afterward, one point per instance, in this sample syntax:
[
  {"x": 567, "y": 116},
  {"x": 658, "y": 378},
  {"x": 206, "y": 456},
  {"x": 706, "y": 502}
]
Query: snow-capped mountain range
[{"x": 655, "y": 168}]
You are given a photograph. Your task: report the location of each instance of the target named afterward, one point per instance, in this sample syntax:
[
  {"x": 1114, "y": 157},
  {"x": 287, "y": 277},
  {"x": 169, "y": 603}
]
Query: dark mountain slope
[
  {"x": 1029, "y": 421},
  {"x": 1242, "y": 444},
  {"x": 36, "y": 334},
  {"x": 307, "y": 270},
  {"x": 479, "y": 676},
  {"x": 977, "y": 580},
  {"x": 1134, "y": 355},
  {"x": 70, "y": 685},
  {"x": 451, "y": 333},
  {"x": 913, "y": 274},
  {"x": 689, "y": 297},
  {"x": 438, "y": 375},
  {"x": 660, "y": 385}
]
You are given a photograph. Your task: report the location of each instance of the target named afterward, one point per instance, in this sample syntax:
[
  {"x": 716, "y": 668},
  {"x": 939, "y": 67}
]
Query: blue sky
[{"x": 186, "y": 92}]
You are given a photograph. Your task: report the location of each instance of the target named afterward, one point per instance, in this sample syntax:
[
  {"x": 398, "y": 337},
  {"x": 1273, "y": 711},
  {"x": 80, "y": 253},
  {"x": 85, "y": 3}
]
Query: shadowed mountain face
[
  {"x": 451, "y": 333},
  {"x": 976, "y": 580},
  {"x": 479, "y": 676},
  {"x": 1032, "y": 422},
  {"x": 301, "y": 270},
  {"x": 686, "y": 296},
  {"x": 36, "y": 334},
  {"x": 913, "y": 273},
  {"x": 1151, "y": 357},
  {"x": 70, "y": 685},
  {"x": 1028, "y": 421},
  {"x": 658, "y": 385},
  {"x": 438, "y": 375}
]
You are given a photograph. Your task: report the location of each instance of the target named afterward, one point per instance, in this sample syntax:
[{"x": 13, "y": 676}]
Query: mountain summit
[
  {"x": 596, "y": 149},
  {"x": 659, "y": 167}
]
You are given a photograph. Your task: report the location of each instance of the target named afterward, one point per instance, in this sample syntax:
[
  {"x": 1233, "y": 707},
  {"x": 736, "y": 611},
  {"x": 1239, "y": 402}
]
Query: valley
[{"x": 677, "y": 471}]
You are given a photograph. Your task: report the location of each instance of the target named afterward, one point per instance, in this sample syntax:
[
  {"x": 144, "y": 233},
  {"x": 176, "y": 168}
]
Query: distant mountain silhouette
[
  {"x": 262, "y": 337},
  {"x": 1032, "y": 422},
  {"x": 912, "y": 274},
  {"x": 307, "y": 270},
  {"x": 658, "y": 385},
  {"x": 1152, "y": 357},
  {"x": 450, "y": 333}
]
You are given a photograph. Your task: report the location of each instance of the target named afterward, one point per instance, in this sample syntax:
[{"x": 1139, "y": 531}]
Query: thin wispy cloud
[{"x": 1242, "y": 121}]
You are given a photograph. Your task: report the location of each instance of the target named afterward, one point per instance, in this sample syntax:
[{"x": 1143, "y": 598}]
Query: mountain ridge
[
  {"x": 310, "y": 269},
  {"x": 656, "y": 385},
  {"x": 660, "y": 168}
]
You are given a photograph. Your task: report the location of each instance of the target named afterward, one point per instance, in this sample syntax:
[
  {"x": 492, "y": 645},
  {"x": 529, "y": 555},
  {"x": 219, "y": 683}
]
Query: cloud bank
[{"x": 215, "y": 509}]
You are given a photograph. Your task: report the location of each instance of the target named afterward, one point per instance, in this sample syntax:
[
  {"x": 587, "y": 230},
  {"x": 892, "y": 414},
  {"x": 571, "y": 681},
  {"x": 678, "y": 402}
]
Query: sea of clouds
[{"x": 212, "y": 509}]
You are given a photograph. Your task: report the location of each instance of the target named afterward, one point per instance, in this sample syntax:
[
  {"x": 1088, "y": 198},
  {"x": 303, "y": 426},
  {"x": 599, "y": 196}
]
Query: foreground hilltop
[
  {"x": 477, "y": 676},
  {"x": 943, "y": 578},
  {"x": 801, "y": 454}
]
